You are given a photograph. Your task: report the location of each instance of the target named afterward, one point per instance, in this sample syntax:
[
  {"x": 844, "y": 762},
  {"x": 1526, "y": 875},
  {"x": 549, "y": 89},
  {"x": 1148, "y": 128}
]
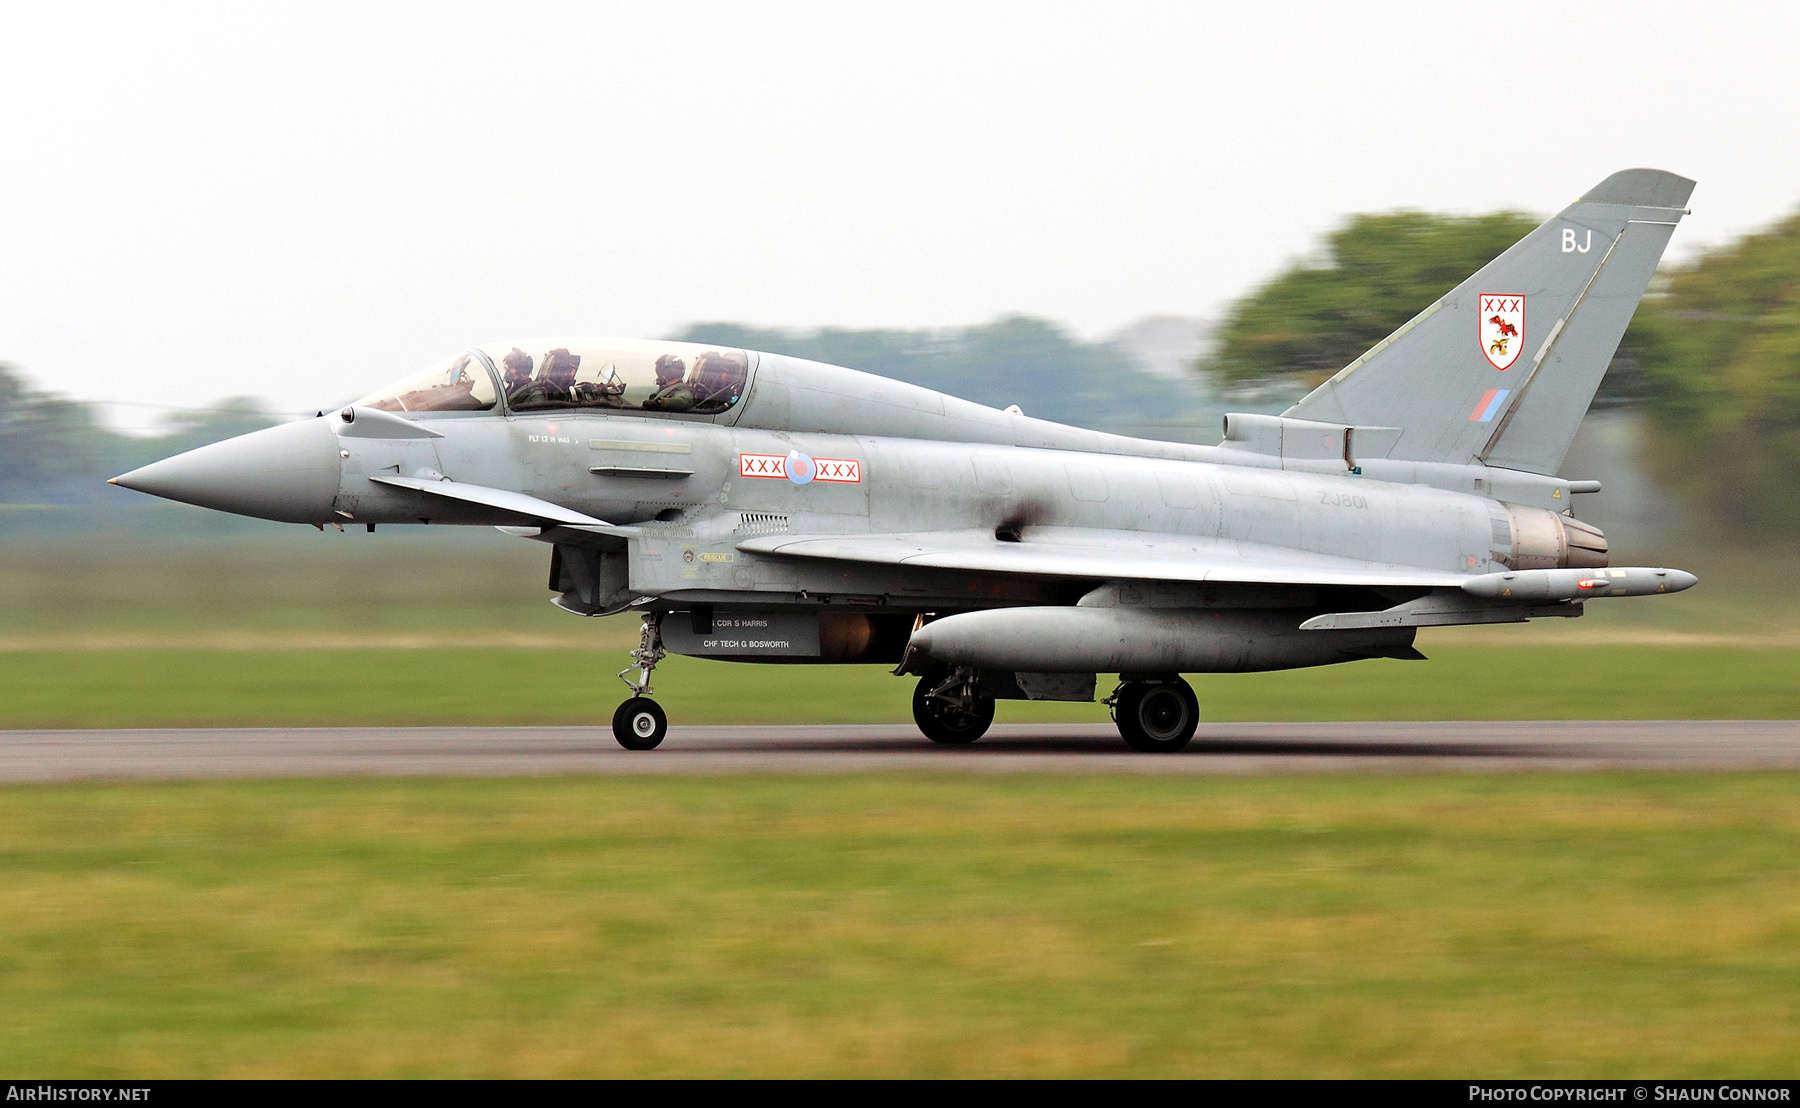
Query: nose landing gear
[
  {"x": 639, "y": 723},
  {"x": 1156, "y": 716}
]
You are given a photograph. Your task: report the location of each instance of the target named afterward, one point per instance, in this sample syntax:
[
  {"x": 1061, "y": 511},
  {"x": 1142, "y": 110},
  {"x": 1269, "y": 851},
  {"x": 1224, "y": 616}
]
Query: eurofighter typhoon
[{"x": 760, "y": 508}]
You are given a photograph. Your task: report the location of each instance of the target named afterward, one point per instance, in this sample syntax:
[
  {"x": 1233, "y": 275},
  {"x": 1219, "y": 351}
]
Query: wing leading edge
[{"x": 1102, "y": 555}]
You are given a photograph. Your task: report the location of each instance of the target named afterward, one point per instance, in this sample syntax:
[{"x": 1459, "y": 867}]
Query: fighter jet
[{"x": 761, "y": 508}]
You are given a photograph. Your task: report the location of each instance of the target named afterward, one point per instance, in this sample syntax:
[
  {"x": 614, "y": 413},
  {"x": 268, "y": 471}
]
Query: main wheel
[
  {"x": 946, "y": 723},
  {"x": 1156, "y": 717},
  {"x": 639, "y": 724}
]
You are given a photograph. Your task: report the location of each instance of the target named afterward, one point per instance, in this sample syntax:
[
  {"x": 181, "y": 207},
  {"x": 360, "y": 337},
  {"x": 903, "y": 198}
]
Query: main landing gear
[
  {"x": 1155, "y": 715},
  {"x": 949, "y": 708},
  {"x": 640, "y": 724}
]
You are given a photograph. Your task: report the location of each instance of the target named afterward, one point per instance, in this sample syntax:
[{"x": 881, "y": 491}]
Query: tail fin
[{"x": 1502, "y": 368}]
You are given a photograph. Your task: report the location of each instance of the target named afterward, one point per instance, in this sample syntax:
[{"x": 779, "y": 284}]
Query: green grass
[
  {"x": 444, "y": 583},
  {"x": 1532, "y": 925},
  {"x": 1518, "y": 924},
  {"x": 186, "y": 687}
]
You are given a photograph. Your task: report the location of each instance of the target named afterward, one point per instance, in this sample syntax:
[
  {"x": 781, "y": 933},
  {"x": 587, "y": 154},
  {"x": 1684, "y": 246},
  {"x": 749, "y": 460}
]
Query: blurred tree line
[
  {"x": 1017, "y": 360},
  {"x": 1712, "y": 358},
  {"x": 56, "y": 451},
  {"x": 1720, "y": 354}
]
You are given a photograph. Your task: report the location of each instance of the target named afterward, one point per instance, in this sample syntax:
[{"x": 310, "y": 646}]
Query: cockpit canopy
[
  {"x": 460, "y": 384},
  {"x": 555, "y": 374}
]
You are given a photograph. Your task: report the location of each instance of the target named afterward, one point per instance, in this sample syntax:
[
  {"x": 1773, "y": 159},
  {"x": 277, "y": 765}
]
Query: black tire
[
  {"x": 944, "y": 724},
  {"x": 639, "y": 724},
  {"x": 1156, "y": 717}
]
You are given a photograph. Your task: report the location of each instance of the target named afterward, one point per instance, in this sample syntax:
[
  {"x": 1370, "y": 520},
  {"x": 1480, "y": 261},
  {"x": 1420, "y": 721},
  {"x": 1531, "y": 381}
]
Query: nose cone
[{"x": 288, "y": 473}]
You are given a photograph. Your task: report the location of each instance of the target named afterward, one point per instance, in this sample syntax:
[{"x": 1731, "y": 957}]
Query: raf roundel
[
  {"x": 800, "y": 468},
  {"x": 1500, "y": 327}
]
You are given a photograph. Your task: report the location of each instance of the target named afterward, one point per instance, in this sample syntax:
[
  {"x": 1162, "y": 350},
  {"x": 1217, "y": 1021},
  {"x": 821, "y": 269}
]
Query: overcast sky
[{"x": 303, "y": 203}]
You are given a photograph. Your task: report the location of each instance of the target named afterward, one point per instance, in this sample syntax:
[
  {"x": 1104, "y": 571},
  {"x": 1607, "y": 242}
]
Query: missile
[{"x": 1577, "y": 584}]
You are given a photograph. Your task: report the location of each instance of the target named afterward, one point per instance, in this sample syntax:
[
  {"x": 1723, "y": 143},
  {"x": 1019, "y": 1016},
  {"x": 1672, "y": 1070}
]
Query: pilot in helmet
[
  {"x": 673, "y": 393},
  {"x": 718, "y": 380},
  {"x": 559, "y": 369},
  {"x": 517, "y": 370}
]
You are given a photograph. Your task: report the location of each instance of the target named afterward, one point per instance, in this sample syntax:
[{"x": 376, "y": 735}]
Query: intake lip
[{"x": 288, "y": 473}]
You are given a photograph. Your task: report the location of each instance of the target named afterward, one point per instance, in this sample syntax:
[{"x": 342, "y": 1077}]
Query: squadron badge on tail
[{"x": 1501, "y": 328}]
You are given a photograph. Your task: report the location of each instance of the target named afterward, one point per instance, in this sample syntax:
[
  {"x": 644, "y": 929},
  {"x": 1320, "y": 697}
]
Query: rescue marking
[
  {"x": 1488, "y": 406},
  {"x": 800, "y": 469}
]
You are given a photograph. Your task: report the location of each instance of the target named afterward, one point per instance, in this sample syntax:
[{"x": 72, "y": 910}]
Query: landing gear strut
[
  {"x": 1156, "y": 716},
  {"x": 949, "y": 708},
  {"x": 640, "y": 724}
]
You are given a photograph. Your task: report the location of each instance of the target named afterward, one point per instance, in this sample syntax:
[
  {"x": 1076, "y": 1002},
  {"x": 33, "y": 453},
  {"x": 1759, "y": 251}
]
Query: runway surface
[{"x": 1218, "y": 748}]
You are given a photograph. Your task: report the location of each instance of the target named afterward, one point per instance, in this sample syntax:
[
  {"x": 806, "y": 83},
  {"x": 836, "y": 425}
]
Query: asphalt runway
[{"x": 1218, "y": 748}]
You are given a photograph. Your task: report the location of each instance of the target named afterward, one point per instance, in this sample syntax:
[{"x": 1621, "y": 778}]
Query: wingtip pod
[
  {"x": 1642, "y": 188},
  {"x": 1578, "y": 584}
]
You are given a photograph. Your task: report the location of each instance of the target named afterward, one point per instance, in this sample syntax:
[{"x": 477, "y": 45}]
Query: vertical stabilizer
[{"x": 1502, "y": 368}]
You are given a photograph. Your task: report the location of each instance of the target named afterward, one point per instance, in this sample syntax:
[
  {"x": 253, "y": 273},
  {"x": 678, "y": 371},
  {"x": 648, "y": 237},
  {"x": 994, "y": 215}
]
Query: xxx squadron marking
[{"x": 800, "y": 469}]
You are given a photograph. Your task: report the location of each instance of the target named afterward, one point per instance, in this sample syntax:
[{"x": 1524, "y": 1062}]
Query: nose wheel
[
  {"x": 1155, "y": 717},
  {"x": 639, "y": 723}
]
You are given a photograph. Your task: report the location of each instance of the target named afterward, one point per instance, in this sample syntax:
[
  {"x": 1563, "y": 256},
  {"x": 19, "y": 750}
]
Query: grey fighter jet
[{"x": 759, "y": 508}]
